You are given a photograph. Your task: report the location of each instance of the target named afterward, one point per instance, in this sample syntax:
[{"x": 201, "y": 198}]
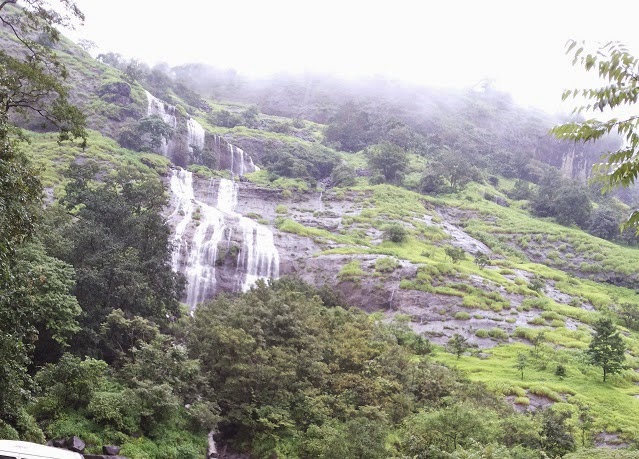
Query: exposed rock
[
  {"x": 102, "y": 456},
  {"x": 57, "y": 443},
  {"x": 459, "y": 238},
  {"x": 111, "y": 450},
  {"x": 609, "y": 440},
  {"x": 75, "y": 444},
  {"x": 118, "y": 92}
]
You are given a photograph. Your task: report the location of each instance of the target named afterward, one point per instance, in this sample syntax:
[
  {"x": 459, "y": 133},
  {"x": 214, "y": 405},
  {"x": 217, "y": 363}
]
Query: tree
[
  {"x": 31, "y": 84},
  {"x": 522, "y": 363},
  {"x": 586, "y": 423},
  {"x": 571, "y": 204},
  {"x": 481, "y": 259},
  {"x": 606, "y": 349},
  {"x": 388, "y": 160},
  {"x": 604, "y": 223},
  {"x": 350, "y": 128},
  {"x": 629, "y": 314},
  {"x": 449, "y": 171},
  {"x": 620, "y": 72},
  {"x": 458, "y": 344},
  {"x": 556, "y": 437},
  {"x": 130, "y": 268}
]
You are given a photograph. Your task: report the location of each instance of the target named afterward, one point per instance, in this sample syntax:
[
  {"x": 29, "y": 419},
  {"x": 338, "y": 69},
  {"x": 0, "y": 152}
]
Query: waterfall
[
  {"x": 321, "y": 203},
  {"x": 258, "y": 258},
  {"x": 182, "y": 191},
  {"x": 233, "y": 158},
  {"x": 202, "y": 246},
  {"x": 161, "y": 109},
  {"x": 195, "y": 135},
  {"x": 201, "y": 229},
  {"x": 227, "y": 196},
  {"x": 156, "y": 107}
]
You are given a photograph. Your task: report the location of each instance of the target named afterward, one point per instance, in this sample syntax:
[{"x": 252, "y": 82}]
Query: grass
[
  {"x": 612, "y": 403},
  {"x": 53, "y": 158}
]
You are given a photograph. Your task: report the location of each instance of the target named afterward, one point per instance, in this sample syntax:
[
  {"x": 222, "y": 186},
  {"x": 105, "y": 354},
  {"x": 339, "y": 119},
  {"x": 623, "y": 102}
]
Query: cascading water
[
  {"x": 156, "y": 107},
  {"x": 233, "y": 158},
  {"x": 258, "y": 257},
  {"x": 161, "y": 109},
  {"x": 201, "y": 248},
  {"x": 195, "y": 135}
]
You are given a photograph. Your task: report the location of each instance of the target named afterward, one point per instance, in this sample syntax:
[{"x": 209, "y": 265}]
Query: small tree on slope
[{"x": 606, "y": 349}]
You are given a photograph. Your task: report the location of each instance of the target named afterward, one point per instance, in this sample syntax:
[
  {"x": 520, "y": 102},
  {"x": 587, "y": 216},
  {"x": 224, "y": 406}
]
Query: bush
[
  {"x": 395, "y": 233},
  {"x": 386, "y": 265},
  {"x": 28, "y": 428},
  {"x": 497, "y": 333},
  {"x": 7, "y": 432},
  {"x": 481, "y": 333},
  {"x": 456, "y": 254},
  {"x": 462, "y": 315},
  {"x": 114, "y": 409},
  {"x": 281, "y": 209}
]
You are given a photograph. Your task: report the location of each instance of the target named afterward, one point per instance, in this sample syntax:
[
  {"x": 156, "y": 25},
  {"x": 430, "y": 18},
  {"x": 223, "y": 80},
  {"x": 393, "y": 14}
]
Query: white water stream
[
  {"x": 165, "y": 111},
  {"x": 200, "y": 232}
]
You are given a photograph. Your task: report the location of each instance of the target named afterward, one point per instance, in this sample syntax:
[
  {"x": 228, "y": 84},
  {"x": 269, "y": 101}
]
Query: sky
[{"x": 519, "y": 45}]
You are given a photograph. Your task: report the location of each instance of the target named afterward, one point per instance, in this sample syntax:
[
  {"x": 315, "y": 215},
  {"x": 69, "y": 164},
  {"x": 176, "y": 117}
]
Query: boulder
[
  {"x": 102, "y": 456},
  {"x": 111, "y": 450},
  {"x": 75, "y": 444},
  {"x": 58, "y": 442}
]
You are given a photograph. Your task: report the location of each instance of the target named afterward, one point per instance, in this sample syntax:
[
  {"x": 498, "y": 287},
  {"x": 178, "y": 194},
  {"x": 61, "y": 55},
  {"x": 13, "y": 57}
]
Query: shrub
[
  {"x": 395, "y": 233},
  {"x": 7, "y": 432},
  {"x": 456, "y": 254},
  {"x": 462, "y": 315},
  {"x": 560, "y": 371},
  {"x": 497, "y": 333},
  {"x": 386, "y": 265},
  {"x": 281, "y": 209},
  {"x": 481, "y": 333}
]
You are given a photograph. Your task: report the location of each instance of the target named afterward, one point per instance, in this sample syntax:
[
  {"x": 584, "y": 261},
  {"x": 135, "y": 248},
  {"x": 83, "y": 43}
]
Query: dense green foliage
[
  {"x": 297, "y": 378},
  {"x": 618, "y": 69},
  {"x": 129, "y": 269}
]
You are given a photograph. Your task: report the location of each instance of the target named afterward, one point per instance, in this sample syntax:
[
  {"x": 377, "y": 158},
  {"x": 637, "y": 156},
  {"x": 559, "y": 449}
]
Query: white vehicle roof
[{"x": 23, "y": 449}]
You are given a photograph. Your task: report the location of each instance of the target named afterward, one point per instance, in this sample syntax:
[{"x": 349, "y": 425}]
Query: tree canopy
[{"x": 620, "y": 72}]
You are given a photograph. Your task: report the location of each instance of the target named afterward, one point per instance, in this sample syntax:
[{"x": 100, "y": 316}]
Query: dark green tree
[
  {"x": 349, "y": 129},
  {"x": 571, "y": 204},
  {"x": 629, "y": 315},
  {"x": 31, "y": 87},
  {"x": 557, "y": 439},
  {"x": 455, "y": 254},
  {"x": 606, "y": 349},
  {"x": 388, "y": 160},
  {"x": 458, "y": 344},
  {"x": 604, "y": 223},
  {"x": 130, "y": 268}
]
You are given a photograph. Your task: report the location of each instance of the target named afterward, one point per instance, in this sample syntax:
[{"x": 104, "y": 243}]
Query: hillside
[{"x": 425, "y": 210}]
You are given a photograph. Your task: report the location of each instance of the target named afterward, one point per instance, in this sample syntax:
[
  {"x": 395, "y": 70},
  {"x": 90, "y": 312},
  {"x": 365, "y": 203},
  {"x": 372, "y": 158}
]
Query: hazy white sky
[{"x": 518, "y": 44}]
